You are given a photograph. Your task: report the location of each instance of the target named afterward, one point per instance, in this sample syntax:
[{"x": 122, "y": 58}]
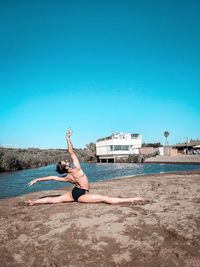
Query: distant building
[
  {"x": 190, "y": 147},
  {"x": 117, "y": 145}
]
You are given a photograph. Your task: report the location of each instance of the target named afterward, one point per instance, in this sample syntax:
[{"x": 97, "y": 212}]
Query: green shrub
[{"x": 17, "y": 159}]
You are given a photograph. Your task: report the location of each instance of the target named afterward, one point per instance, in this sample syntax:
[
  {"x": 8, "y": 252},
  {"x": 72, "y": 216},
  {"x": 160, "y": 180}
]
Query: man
[{"x": 75, "y": 175}]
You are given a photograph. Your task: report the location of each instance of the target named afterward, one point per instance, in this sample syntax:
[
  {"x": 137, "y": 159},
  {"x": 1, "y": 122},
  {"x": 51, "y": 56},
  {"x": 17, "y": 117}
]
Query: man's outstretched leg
[
  {"x": 51, "y": 200},
  {"x": 96, "y": 198}
]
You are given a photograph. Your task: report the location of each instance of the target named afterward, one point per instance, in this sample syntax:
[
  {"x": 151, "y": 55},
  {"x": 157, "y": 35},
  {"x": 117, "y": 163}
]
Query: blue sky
[{"x": 98, "y": 67}]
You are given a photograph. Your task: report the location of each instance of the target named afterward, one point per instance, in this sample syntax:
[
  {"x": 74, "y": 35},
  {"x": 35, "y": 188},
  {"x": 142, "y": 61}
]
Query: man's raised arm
[
  {"x": 69, "y": 142},
  {"x": 71, "y": 150}
]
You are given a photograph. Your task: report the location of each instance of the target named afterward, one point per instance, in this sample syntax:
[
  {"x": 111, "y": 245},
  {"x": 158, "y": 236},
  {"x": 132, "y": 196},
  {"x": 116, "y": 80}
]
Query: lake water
[{"x": 15, "y": 183}]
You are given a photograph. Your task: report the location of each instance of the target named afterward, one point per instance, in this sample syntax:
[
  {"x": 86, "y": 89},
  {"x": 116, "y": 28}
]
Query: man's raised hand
[{"x": 69, "y": 133}]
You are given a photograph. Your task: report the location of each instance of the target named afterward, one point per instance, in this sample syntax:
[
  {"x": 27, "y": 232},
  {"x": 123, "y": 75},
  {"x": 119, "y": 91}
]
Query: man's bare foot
[
  {"x": 140, "y": 201},
  {"x": 20, "y": 204},
  {"x": 29, "y": 202}
]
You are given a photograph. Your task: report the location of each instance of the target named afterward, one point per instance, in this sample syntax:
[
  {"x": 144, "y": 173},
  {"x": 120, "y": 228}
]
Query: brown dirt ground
[{"x": 164, "y": 233}]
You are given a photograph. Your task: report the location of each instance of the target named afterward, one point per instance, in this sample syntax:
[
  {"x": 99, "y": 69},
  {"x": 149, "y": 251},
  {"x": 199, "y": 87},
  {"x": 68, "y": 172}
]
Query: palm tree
[{"x": 166, "y": 134}]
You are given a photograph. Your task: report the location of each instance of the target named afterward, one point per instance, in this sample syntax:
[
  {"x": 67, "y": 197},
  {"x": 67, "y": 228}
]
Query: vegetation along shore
[{"x": 12, "y": 159}]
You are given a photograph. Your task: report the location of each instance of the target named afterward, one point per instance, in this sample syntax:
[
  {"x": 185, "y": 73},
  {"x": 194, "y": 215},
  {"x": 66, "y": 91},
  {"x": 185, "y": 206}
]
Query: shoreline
[
  {"x": 184, "y": 159},
  {"x": 131, "y": 177},
  {"x": 69, "y": 187},
  {"x": 173, "y": 162},
  {"x": 163, "y": 233}
]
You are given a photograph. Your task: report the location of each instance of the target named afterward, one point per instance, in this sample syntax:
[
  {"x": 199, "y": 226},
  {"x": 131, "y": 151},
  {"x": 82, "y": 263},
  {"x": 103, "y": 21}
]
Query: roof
[
  {"x": 191, "y": 143},
  {"x": 198, "y": 146},
  {"x": 117, "y": 135}
]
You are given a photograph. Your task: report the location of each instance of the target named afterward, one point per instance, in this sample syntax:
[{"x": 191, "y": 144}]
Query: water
[{"x": 15, "y": 183}]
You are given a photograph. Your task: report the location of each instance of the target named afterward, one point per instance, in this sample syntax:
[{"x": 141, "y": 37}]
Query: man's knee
[
  {"x": 107, "y": 199},
  {"x": 57, "y": 201},
  {"x": 52, "y": 200}
]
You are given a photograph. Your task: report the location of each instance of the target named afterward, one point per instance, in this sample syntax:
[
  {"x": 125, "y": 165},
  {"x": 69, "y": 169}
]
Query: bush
[
  {"x": 18, "y": 159},
  {"x": 153, "y": 154},
  {"x": 135, "y": 158}
]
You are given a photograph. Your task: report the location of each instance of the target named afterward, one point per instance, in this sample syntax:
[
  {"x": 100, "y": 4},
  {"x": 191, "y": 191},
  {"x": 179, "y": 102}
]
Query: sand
[
  {"x": 164, "y": 233},
  {"x": 184, "y": 159}
]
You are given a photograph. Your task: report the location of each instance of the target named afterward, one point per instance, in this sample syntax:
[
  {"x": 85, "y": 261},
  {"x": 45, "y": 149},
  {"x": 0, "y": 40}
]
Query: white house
[{"x": 118, "y": 145}]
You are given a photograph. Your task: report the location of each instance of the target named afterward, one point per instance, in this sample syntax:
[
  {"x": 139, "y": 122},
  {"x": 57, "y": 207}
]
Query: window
[
  {"x": 111, "y": 148},
  {"x": 135, "y": 136},
  {"x": 119, "y": 148}
]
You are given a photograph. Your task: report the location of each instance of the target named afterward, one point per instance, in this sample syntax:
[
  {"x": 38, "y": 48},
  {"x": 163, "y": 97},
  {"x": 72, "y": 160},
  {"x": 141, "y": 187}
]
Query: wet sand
[{"x": 164, "y": 233}]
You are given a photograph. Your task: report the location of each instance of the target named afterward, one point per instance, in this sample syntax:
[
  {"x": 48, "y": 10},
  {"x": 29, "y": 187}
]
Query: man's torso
[{"x": 79, "y": 178}]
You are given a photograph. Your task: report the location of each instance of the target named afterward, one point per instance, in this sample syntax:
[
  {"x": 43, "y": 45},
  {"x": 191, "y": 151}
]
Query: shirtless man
[{"x": 75, "y": 175}]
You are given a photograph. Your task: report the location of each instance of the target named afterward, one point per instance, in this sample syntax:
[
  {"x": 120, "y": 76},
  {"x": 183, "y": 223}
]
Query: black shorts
[{"x": 77, "y": 192}]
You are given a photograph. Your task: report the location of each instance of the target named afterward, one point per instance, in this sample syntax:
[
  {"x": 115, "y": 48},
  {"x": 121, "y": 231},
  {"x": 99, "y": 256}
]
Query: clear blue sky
[{"x": 98, "y": 66}]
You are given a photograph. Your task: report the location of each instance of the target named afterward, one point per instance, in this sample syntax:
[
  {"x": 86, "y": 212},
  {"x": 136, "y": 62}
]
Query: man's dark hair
[{"x": 60, "y": 168}]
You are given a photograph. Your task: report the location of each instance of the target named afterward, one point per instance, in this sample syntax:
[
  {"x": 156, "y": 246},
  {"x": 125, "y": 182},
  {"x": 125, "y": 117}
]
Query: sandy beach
[
  {"x": 164, "y": 233},
  {"x": 184, "y": 159}
]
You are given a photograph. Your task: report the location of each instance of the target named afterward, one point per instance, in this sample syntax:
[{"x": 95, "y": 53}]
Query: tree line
[{"x": 13, "y": 159}]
